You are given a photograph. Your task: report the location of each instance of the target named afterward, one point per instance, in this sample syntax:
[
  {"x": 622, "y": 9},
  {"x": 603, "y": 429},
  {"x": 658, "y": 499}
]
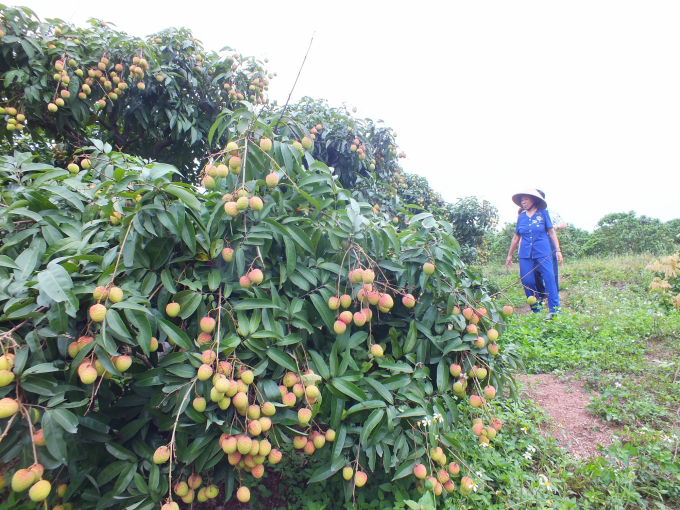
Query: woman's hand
[
  {"x": 559, "y": 257},
  {"x": 508, "y": 261}
]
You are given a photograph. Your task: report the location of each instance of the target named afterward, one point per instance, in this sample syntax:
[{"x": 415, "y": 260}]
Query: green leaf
[
  {"x": 41, "y": 368},
  {"x": 214, "y": 279},
  {"x": 186, "y": 196},
  {"x": 349, "y": 389},
  {"x": 372, "y": 421},
  {"x": 320, "y": 364},
  {"x": 8, "y": 262},
  {"x": 363, "y": 406},
  {"x": 166, "y": 279},
  {"x": 121, "y": 453},
  {"x": 251, "y": 304},
  {"x": 54, "y": 437},
  {"x": 124, "y": 479},
  {"x": 66, "y": 419},
  {"x": 380, "y": 388},
  {"x": 411, "y": 338},
  {"x": 55, "y": 281},
  {"x": 300, "y": 237},
  {"x": 405, "y": 469},
  {"x": 176, "y": 335},
  {"x": 282, "y": 359},
  {"x": 322, "y": 307},
  {"x": 442, "y": 375}
]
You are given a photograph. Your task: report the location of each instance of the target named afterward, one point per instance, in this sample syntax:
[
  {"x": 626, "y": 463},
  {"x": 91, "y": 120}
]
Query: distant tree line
[{"x": 615, "y": 234}]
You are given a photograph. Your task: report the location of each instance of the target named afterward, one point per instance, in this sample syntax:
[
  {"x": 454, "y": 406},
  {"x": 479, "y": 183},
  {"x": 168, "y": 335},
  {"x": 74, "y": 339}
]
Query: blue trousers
[
  {"x": 539, "y": 277},
  {"x": 528, "y": 276}
]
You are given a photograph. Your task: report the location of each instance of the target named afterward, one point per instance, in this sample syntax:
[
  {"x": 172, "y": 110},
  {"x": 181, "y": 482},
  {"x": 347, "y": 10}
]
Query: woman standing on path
[{"x": 533, "y": 234}]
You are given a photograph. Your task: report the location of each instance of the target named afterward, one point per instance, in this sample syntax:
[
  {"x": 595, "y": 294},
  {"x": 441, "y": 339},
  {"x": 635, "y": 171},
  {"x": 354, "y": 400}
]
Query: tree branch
[{"x": 159, "y": 147}]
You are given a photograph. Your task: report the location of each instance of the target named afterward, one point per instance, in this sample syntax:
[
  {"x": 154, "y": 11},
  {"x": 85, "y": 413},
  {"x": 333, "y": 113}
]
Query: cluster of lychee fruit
[
  {"x": 191, "y": 489},
  {"x": 487, "y": 433},
  {"x": 366, "y": 295},
  {"x": 6, "y": 373},
  {"x": 31, "y": 479},
  {"x": 16, "y": 120},
  {"x": 442, "y": 479}
]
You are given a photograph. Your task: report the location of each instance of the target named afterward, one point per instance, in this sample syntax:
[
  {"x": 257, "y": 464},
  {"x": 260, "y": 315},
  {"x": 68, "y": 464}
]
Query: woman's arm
[
  {"x": 513, "y": 245},
  {"x": 553, "y": 236}
]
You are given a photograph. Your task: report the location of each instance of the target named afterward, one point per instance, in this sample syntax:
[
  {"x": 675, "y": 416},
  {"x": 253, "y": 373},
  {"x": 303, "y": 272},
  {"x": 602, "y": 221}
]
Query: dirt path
[{"x": 576, "y": 429}]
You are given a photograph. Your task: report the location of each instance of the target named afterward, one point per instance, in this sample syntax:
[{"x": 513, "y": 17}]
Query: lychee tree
[
  {"x": 155, "y": 98},
  {"x": 161, "y": 343}
]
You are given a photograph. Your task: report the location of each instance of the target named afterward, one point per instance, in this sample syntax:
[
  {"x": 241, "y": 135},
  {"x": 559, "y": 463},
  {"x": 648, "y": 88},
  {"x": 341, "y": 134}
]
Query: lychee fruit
[
  {"x": 208, "y": 357},
  {"x": 265, "y": 144},
  {"x": 40, "y": 490},
  {"x": 479, "y": 342},
  {"x": 172, "y": 309},
  {"x": 346, "y": 317},
  {"x": 531, "y": 300},
  {"x": 194, "y": 481},
  {"x": 454, "y": 468},
  {"x": 231, "y": 209},
  {"x": 443, "y": 476},
  {"x": 100, "y": 293},
  {"x": 475, "y": 401},
  {"x": 189, "y": 497},
  {"x": 307, "y": 143},
  {"x": 254, "y": 428},
  {"x": 207, "y": 324},
  {"x": 229, "y": 445},
  {"x": 420, "y": 471},
  {"x": 489, "y": 392},
  {"x": 205, "y": 372},
  {"x": 116, "y": 295},
  {"x": 493, "y": 349},
  {"x": 492, "y": 335},
  {"x": 507, "y": 310},
  {"x": 272, "y": 180},
  {"x": 455, "y": 370},
  {"x": 268, "y": 409},
  {"x": 22, "y": 480},
  {"x": 256, "y": 276},
  {"x": 6, "y": 377},
  {"x": 299, "y": 442},
  {"x": 153, "y": 346},
  {"x": 212, "y": 491},
  {"x": 88, "y": 374},
  {"x": 161, "y": 455},
  {"x": 333, "y": 303},
  {"x": 227, "y": 254},
  {"x": 97, "y": 312},
  {"x": 360, "y": 479},
  {"x": 240, "y": 400},
  {"x": 428, "y": 268},
  {"x": 274, "y": 457},
  {"x": 122, "y": 363},
  {"x": 242, "y": 204},
  {"x": 330, "y": 435},
  {"x": 345, "y": 301},
  {"x": 309, "y": 448},
  {"x": 368, "y": 276},
  {"x": 290, "y": 379},
  {"x": 408, "y": 301},
  {"x": 244, "y": 444},
  {"x": 243, "y": 494},
  {"x": 347, "y": 473},
  {"x": 377, "y": 351},
  {"x": 256, "y": 203},
  {"x": 38, "y": 438},
  {"x": 339, "y": 327},
  {"x": 265, "y": 423},
  {"x": 386, "y": 301},
  {"x": 181, "y": 489},
  {"x": 289, "y": 399},
  {"x": 304, "y": 415},
  {"x": 312, "y": 392}
]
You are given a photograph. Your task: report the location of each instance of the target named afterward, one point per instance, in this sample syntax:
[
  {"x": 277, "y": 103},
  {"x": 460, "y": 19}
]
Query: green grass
[{"x": 616, "y": 337}]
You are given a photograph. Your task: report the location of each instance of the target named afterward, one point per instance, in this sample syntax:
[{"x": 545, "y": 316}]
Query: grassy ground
[{"x": 614, "y": 336}]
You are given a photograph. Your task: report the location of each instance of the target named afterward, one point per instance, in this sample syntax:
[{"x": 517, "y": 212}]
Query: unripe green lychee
[
  {"x": 290, "y": 379},
  {"x": 256, "y": 203},
  {"x": 345, "y": 301},
  {"x": 6, "y": 377},
  {"x": 172, "y": 309},
  {"x": 97, "y": 312},
  {"x": 202, "y": 497},
  {"x": 347, "y": 473},
  {"x": 224, "y": 403},
  {"x": 6, "y": 362},
  {"x": 229, "y": 445},
  {"x": 475, "y": 401},
  {"x": 199, "y": 404},
  {"x": 368, "y": 276},
  {"x": 234, "y": 164},
  {"x": 188, "y": 498},
  {"x": 471, "y": 329},
  {"x": 272, "y": 180},
  {"x": 304, "y": 415},
  {"x": 298, "y": 390},
  {"x": 428, "y": 268},
  {"x": 211, "y": 491},
  {"x": 377, "y": 351},
  {"x": 116, "y": 295},
  {"x": 479, "y": 342},
  {"x": 244, "y": 444},
  {"x": 507, "y": 310},
  {"x": 242, "y": 204},
  {"x": 231, "y": 209},
  {"x": 122, "y": 363},
  {"x": 243, "y": 494},
  {"x": 22, "y": 479},
  {"x": 205, "y": 372},
  {"x": 319, "y": 440},
  {"x": 254, "y": 412},
  {"x": 531, "y": 300},
  {"x": 227, "y": 254},
  {"x": 360, "y": 478},
  {"x": 194, "y": 481},
  {"x": 330, "y": 435},
  {"x": 207, "y": 324},
  {"x": 153, "y": 346},
  {"x": 265, "y": 144},
  {"x": 268, "y": 409},
  {"x": 61, "y": 490},
  {"x": 100, "y": 293},
  {"x": 492, "y": 335},
  {"x": 161, "y": 455},
  {"x": 480, "y": 373},
  {"x": 240, "y": 400},
  {"x": 307, "y": 143},
  {"x": 408, "y": 301},
  {"x": 40, "y": 490},
  {"x": 299, "y": 442},
  {"x": 312, "y": 392},
  {"x": 247, "y": 377},
  {"x": 88, "y": 375}
]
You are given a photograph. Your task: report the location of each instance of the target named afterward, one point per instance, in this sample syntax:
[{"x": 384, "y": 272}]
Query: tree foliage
[
  {"x": 90, "y": 261},
  {"x": 155, "y": 98}
]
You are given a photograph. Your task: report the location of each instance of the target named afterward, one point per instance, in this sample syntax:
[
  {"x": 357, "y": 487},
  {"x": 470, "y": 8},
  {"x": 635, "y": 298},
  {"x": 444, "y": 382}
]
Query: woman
[{"x": 533, "y": 234}]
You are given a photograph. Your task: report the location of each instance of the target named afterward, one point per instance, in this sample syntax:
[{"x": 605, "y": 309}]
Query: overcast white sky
[{"x": 580, "y": 98}]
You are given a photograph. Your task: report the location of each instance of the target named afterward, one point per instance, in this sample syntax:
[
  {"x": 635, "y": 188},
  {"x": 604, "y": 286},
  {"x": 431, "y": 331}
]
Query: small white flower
[
  {"x": 527, "y": 456},
  {"x": 531, "y": 449},
  {"x": 617, "y": 385},
  {"x": 478, "y": 473},
  {"x": 473, "y": 486},
  {"x": 484, "y": 445},
  {"x": 524, "y": 429}
]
